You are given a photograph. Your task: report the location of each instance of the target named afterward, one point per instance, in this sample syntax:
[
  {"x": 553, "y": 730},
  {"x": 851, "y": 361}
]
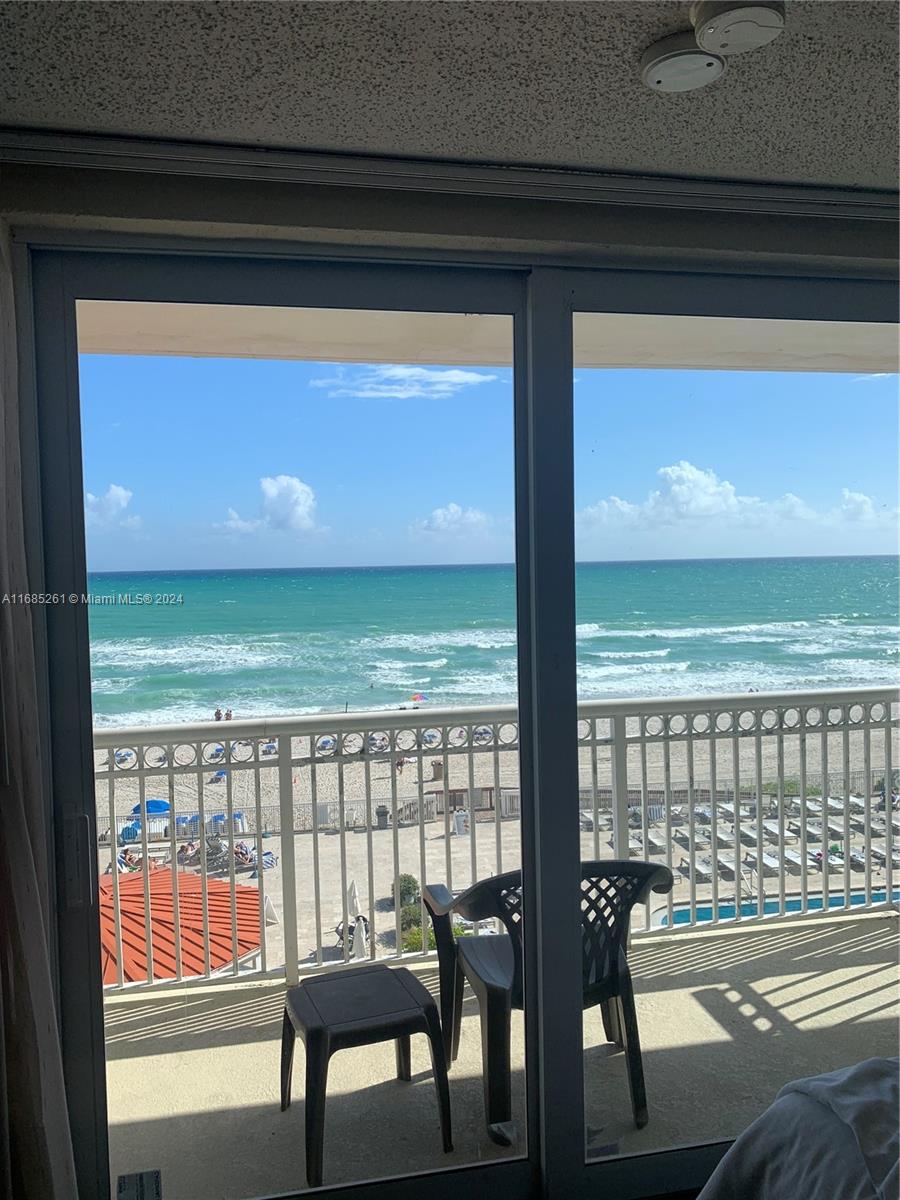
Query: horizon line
[{"x": 611, "y": 562}]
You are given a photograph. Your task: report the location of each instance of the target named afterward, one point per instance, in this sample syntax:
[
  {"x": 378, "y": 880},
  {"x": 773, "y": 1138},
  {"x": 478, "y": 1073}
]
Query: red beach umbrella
[{"x": 162, "y": 924}]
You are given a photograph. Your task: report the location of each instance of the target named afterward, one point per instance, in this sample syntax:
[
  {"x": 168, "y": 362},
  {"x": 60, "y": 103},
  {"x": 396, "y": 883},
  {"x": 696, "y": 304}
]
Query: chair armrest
[{"x": 438, "y": 899}]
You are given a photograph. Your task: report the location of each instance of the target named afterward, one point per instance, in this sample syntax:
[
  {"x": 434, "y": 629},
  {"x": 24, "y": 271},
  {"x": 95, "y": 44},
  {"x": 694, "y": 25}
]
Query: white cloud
[
  {"x": 453, "y": 521},
  {"x": 400, "y": 382},
  {"x": 693, "y": 497},
  {"x": 287, "y": 503},
  {"x": 872, "y": 376},
  {"x": 857, "y": 506},
  {"x": 109, "y": 511}
]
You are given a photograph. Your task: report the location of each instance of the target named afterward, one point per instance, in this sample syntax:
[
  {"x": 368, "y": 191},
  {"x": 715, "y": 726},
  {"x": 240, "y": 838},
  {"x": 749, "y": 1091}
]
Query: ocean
[{"x": 267, "y": 643}]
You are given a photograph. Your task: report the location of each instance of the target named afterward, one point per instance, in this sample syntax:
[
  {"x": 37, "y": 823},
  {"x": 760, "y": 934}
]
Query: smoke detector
[
  {"x": 728, "y": 27},
  {"x": 677, "y": 64}
]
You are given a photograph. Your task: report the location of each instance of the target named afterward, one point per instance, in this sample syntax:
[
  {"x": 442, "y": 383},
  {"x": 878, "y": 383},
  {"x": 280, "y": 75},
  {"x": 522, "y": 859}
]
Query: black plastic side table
[{"x": 357, "y": 1007}]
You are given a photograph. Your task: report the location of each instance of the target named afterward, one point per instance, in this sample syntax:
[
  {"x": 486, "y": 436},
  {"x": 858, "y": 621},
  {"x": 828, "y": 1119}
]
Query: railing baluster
[
  {"x": 619, "y": 751},
  {"x": 342, "y": 834},
  {"x": 395, "y": 836},
  {"x": 145, "y": 864},
  {"x": 370, "y": 855},
  {"x": 595, "y": 798},
  {"x": 867, "y": 806},
  {"x": 498, "y": 802},
  {"x": 114, "y": 864},
  {"x": 423, "y": 864},
  {"x": 804, "y": 851},
  {"x": 260, "y": 852},
  {"x": 846, "y": 799},
  {"x": 782, "y": 870},
  {"x": 314, "y": 802},
  {"x": 826, "y": 886},
  {"x": 888, "y": 807},
  {"x": 445, "y": 774},
  {"x": 645, "y": 822},
  {"x": 288, "y": 863},
  {"x": 736, "y": 783},
  {"x": 714, "y": 811},
  {"x": 169, "y": 751},
  {"x": 760, "y": 865},
  {"x": 692, "y": 831},
  {"x": 204, "y": 891},
  {"x": 667, "y": 794},
  {"x": 473, "y": 852},
  {"x": 232, "y": 873}
]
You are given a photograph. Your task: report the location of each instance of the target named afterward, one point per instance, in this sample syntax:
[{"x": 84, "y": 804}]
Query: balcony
[
  {"x": 773, "y": 957},
  {"x": 193, "y": 1072}
]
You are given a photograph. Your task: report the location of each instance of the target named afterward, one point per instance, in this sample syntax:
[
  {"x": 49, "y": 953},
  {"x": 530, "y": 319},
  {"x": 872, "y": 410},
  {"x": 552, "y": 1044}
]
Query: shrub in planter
[
  {"x": 408, "y": 887},
  {"x": 412, "y": 939},
  {"x": 410, "y": 917}
]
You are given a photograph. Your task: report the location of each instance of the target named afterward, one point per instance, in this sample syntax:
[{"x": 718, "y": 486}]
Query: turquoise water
[
  {"x": 292, "y": 641},
  {"x": 751, "y": 909}
]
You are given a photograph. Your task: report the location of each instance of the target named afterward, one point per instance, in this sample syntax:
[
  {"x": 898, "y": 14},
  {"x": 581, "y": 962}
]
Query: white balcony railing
[{"x": 766, "y": 806}]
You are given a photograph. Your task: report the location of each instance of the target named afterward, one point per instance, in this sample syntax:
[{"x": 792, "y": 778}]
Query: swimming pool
[{"x": 750, "y": 908}]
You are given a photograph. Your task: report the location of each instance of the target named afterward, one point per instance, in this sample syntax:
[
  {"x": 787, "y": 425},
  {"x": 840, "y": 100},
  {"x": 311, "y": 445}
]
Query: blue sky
[{"x": 217, "y": 463}]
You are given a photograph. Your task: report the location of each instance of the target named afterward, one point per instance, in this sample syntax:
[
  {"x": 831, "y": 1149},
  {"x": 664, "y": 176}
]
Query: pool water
[{"x": 750, "y": 908}]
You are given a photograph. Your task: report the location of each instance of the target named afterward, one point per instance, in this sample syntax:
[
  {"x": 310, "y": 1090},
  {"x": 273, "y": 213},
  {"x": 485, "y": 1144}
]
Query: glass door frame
[
  {"x": 542, "y": 300},
  {"x": 757, "y": 296}
]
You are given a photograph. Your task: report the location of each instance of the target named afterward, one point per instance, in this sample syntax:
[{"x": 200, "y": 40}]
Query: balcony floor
[{"x": 726, "y": 1017}]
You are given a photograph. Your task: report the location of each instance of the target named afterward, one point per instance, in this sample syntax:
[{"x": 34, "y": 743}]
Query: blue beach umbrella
[{"x": 152, "y": 806}]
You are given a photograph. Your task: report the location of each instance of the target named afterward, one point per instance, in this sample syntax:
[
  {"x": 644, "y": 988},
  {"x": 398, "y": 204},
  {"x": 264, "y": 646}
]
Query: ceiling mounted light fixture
[
  {"x": 729, "y": 27},
  {"x": 677, "y": 64}
]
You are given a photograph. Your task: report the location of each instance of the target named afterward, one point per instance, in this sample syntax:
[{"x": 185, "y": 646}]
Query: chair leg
[
  {"x": 288, "y": 1037},
  {"x": 495, "y": 1062},
  {"x": 459, "y": 984},
  {"x": 439, "y": 1070},
  {"x": 612, "y": 1026},
  {"x": 404, "y": 1062},
  {"x": 447, "y": 973},
  {"x": 633, "y": 1053},
  {"x": 317, "y": 1055}
]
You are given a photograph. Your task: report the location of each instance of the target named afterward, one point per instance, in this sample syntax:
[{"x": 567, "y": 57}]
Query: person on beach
[
  {"x": 218, "y": 714},
  {"x": 228, "y": 714}
]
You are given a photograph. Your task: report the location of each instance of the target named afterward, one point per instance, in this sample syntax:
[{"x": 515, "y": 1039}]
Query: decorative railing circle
[
  {"x": 155, "y": 756},
  {"x": 352, "y": 743}
]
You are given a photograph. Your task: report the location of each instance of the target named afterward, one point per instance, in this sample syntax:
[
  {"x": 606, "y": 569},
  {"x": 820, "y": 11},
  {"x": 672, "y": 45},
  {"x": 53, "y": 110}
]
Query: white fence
[{"x": 262, "y": 841}]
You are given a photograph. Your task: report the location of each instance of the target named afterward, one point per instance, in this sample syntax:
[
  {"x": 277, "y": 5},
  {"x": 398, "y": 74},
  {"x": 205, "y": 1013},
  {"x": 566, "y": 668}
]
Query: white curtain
[{"x": 35, "y": 1143}]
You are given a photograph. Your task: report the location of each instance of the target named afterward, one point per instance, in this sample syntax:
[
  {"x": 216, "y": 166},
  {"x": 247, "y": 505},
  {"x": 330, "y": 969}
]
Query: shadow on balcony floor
[{"x": 726, "y": 1017}]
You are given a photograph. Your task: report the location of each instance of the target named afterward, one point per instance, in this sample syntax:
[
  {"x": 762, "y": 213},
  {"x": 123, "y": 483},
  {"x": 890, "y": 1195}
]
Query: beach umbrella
[
  {"x": 162, "y": 924},
  {"x": 152, "y": 806},
  {"x": 359, "y": 939},
  {"x": 353, "y": 900},
  {"x": 418, "y": 697}
]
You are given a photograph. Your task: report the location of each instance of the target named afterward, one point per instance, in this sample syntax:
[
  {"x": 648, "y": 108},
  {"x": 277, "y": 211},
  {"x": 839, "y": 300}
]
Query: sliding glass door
[{"x": 340, "y": 650}]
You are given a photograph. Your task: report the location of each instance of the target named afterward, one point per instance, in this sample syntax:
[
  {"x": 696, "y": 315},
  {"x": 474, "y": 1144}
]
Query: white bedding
[{"x": 830, "y": 1137}]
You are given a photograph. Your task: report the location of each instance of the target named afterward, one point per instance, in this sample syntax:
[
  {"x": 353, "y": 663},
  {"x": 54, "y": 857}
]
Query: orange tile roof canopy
[{"x": 224, "y": 946}]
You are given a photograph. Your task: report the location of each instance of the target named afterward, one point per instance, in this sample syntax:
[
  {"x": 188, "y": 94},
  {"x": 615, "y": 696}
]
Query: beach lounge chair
[
  {"x": 493, "y": 968},
  {"x": 792, "y": 859}
]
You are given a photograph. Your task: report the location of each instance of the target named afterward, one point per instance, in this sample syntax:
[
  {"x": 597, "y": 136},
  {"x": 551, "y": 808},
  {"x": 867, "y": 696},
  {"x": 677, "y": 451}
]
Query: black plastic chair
[{"x": 493, "y": 967}]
